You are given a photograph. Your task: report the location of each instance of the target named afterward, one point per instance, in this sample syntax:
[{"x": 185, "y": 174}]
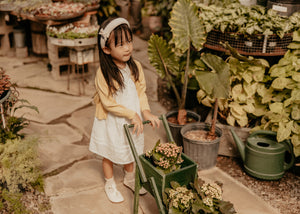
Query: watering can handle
[
  {"x": 289, "y": 147},
  {"x": 263, "y": 132}
]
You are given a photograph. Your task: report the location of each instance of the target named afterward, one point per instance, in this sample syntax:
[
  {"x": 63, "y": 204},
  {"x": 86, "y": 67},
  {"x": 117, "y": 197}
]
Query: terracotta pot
[{"x": 155, "y": 23}]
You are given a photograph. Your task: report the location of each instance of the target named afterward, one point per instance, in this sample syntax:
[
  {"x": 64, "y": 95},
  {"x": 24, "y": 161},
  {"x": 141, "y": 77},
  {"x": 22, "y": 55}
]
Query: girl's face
[{"x": 120, "y": 52}]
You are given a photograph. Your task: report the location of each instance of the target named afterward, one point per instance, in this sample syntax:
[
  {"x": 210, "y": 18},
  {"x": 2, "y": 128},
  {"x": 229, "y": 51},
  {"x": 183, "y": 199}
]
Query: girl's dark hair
[{"x": 109, "y": 69}]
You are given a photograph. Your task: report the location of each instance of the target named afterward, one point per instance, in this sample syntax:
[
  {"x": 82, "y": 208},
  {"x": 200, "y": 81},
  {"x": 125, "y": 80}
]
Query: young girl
[{"x": 120, "y": 99}]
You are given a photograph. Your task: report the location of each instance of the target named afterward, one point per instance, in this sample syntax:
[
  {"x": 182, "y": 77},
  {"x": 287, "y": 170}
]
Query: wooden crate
[{"x": 38, "y": 37}]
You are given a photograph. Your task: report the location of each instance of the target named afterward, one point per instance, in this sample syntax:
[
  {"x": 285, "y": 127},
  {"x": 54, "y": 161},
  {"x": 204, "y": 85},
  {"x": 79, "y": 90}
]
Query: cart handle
[
  {"x": 166, "y": 126},
  {"x": 135, "y": 155}
]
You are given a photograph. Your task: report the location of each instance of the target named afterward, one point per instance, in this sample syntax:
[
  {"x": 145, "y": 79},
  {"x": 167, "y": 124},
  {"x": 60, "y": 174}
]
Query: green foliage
[
  {"x": 69, "y": 31},
  {"x": 186, "y": 26},
  {"x": 200, "y": 197},
  {"x": 246, "y": 20},
  {"x": 169, "y": 58},
  {"x": 107, "y": 9},
  {"x": 215, "y": 81},
  {"x": 11, "y": 202},
  {"x": 283, "y": 97},
  {"x": 247, "y": 78},
  {"x": 19, "y": 165},
  {"x": 13, "y": 125}
]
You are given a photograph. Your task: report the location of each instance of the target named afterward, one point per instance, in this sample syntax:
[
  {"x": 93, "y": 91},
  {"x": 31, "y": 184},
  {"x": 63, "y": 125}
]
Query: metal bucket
[
  {"x": 204, "y": 153},
  {"x": 19, "y": 37}
]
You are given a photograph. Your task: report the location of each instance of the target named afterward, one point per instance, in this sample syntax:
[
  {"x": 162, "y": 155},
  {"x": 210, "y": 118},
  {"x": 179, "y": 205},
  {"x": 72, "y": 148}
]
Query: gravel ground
[{"x": 283, "y": 194}]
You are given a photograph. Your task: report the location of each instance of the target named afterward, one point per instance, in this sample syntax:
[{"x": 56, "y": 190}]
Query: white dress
[{"x": 108, "y": 138}]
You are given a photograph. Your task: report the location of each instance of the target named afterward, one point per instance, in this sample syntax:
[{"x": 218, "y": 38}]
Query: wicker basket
[{"x": 255, "y": 45}]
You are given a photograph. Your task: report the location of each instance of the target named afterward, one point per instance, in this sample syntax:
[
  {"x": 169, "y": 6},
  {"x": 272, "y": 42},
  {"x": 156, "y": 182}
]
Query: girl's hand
[
  {"x": 138, "y": 124},
  {"x": 155, "y": 122}
]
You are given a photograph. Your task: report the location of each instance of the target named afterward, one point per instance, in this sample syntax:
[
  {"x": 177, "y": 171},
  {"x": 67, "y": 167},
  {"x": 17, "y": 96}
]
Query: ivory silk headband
[{"x": 104, "y": 33}]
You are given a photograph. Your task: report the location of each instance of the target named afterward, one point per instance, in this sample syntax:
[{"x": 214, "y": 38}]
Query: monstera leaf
[{"x": 186, "y": 26}]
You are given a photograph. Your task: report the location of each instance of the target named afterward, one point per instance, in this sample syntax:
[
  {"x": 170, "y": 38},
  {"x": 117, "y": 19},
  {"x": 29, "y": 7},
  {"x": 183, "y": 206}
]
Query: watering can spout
[{"x": 239, "y": 143}]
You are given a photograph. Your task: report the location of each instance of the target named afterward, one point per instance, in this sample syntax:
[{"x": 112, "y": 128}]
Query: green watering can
[{"x": 263, "y": 156}]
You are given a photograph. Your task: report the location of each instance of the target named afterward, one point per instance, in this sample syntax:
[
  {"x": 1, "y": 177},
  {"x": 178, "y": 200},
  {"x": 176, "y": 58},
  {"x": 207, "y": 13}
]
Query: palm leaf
[
  {"x": 186, "y": 25},
  {"x": 162, "y": 57}
]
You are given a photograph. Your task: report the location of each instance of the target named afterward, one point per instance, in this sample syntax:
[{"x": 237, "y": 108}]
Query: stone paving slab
[
  {"x": 83, "y": 120},
  {"x": 50, "y": 105},
  {"x": 33, "y": 73},
  {"x": 90, "y": 202},
  {"x": 243, "y": 199},
  {"x": 56, "y": 148},
  {"x": 66, "y": 188}
]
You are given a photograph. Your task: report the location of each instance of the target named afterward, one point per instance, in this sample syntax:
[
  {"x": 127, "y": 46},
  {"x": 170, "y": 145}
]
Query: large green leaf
[
  {"x": 250, "y": 89},
  {"x": 216, "y": 82},
  {"x": 284, "y": 131},
  {"x": 161, "y": 56},
  {"x": 186, "y": 25},
  {"x": 276, "y": 107},
  {"x": 280, "y": 83},
  {"x": 295, "y": 112},
  {"x": 258, "y": 72}
]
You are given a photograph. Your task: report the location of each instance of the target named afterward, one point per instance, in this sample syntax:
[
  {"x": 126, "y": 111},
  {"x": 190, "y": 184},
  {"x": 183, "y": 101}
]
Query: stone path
[{"x": 74, "y": 181}]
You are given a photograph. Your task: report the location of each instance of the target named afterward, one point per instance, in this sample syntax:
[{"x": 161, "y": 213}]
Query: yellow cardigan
[{"x": 105, "y": 101}]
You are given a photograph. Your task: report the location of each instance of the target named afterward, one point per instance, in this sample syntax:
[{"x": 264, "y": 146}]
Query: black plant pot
[
  {"x": 204, "y": 153},
  {"x": 4, "y": 96},
  {"x": 175, "y": 128}
]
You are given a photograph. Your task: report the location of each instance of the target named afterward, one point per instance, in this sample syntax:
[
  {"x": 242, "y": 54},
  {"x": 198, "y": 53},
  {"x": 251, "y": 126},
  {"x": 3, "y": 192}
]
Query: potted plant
[
  {"x": 200, "y": 140},
  {"x": 197, "y": 197},
  {"x": 172, "y": 59},
  {"x": 154, "y": 13},
  {"x": 242, "y": 109},
  {"x": 9, "y": 103},
  {"x": 252, "y": 30}
]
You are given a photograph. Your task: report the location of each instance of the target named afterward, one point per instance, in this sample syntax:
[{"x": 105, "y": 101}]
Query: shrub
[{"x": 19, "y": 165}]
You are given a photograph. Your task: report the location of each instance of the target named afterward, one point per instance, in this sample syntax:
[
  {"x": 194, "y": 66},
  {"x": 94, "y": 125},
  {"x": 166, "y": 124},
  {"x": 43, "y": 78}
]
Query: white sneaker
[
  {"x": 131, "y": 185},
  {"x": 112, "y": 193}
]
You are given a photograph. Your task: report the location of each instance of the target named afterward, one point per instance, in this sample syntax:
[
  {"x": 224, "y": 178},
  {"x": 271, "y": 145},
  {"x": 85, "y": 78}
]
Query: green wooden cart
[{"x": 154, "y": 180}]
